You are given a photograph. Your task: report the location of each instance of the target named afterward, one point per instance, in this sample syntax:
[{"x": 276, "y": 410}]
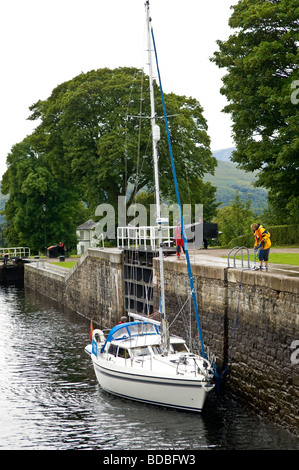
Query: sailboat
[{"x": 139, "y": 359}]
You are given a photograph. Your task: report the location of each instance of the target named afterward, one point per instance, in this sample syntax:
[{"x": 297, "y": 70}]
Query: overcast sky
[{"x": 45, "y": 43}]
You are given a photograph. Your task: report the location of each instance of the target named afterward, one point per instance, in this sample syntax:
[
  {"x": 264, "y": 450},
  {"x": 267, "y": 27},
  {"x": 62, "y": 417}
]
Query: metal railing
[
  {"x": 144, "y": 237},
  {"x": 236, "y": 250},
  {"x": 100, "y": 239},
  {"x": 15, "y": 252}
]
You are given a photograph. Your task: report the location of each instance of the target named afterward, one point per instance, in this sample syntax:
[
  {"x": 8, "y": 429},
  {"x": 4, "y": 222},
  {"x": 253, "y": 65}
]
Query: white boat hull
[{"x": 174, "y": 392}]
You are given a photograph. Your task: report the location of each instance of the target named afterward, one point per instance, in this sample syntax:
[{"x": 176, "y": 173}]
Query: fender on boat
[{"x": 99, "y": 336}]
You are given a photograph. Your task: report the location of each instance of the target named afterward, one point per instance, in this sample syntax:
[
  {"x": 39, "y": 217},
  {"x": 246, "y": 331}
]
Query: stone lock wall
[
  {"x": 48, "y": 282},
  {"x": 93, "y": 287},
  {"x": 262, "y": 371},
  {"x": 257, "y": 313},
  {"x": 249, "y": 320}
]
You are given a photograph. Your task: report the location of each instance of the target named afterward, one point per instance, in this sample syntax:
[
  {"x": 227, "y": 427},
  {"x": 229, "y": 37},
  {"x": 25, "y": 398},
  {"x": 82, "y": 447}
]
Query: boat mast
[
  {"x": 179, "y": 201},
  {"x": 155, "y": 139}
]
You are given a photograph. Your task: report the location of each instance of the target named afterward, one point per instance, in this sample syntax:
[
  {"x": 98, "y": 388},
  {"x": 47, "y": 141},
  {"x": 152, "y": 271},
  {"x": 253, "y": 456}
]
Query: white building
[{"x": 87, "y": 236}]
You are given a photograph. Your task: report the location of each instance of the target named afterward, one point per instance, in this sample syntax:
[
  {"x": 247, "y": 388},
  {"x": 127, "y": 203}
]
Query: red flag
[{"x": 91, "y": 330}]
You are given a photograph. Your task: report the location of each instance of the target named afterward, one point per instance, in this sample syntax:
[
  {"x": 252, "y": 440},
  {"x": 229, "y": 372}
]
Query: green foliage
[
  {"x": 262, "y": 62},
  {"x": 278, "y": 210},
  {"x": 94, "y": 123},
  {"x": 280, "y": 235},
  {"x": 200, "y": 192},
  {"x": 31, "y": 185},
  {"x": 234, "y": 220},
  {"x": 86, "y": 148}
]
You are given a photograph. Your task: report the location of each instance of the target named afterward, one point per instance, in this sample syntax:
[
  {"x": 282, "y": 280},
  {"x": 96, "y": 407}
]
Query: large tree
[
  {"x": 97, "y": 124},
  {"x": 92, "y": 143},
  {"x": 43, "y": 208},
  {"x": 234, "y": 220},
  {"x": 261, "y": 59}
]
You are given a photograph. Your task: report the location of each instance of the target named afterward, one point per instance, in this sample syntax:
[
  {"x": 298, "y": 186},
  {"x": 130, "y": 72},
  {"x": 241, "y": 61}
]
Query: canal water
[{"x": 50, "y": 400}]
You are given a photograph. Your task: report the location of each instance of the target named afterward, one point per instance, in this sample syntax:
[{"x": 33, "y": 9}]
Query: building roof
[{"x": 88, "y": 225}]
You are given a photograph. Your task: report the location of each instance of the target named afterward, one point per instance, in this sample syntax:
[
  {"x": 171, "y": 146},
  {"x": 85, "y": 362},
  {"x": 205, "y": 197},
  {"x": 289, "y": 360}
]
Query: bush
[{"x": 280, "y": 235}]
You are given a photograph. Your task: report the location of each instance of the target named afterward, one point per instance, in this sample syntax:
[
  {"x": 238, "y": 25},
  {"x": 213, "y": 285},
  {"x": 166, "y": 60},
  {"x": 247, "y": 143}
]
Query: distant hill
[
  {"x": 228, "y": 178},
  {"x": 224, "y": 154}
]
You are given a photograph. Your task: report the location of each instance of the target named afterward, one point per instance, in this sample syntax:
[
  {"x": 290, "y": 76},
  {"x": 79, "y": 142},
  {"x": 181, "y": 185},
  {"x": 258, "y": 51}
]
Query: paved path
[{"x": 218, "y": 257}]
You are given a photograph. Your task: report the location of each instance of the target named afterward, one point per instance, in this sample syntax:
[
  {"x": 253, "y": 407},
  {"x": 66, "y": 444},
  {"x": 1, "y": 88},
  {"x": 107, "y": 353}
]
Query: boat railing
[
  {"x": 183, "y": 363},
  {"x": 145, "y": 238}
]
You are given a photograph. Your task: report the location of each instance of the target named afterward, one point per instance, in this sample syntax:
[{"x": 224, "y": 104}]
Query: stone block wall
[
  {"x": 45, "y": 281},
  {"x": 261, "y": 370},
  {"x": 93, "y": 287},
  {"x": 249, "y": 320}
]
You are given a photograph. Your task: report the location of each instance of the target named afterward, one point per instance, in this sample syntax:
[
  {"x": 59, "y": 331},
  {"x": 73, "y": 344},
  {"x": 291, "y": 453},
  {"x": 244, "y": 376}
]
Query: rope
[
  {"x": 179, "y": 312},
  {"x": 139, "y": 138},
  {"x": 126, "y": 134},
  {"x": 256, "y": 257},
  {"x": 139, "y": 165}
]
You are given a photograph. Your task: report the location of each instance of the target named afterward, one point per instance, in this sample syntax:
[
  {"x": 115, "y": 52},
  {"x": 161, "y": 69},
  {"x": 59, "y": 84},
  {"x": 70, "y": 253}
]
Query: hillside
[
  {"x": 224, "y": 154},
  {"x": 228, "y": 178}
]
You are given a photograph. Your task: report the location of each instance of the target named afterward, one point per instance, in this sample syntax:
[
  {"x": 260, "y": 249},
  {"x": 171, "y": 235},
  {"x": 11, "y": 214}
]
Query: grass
[
  {"x": 65, "y": 264},
  {"x": 279, "y": 258},
  {"x": 276, "y": 258}
]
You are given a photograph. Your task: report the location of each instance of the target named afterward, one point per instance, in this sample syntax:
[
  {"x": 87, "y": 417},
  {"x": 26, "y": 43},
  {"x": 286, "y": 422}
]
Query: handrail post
[{"x": 237, "y": 249}]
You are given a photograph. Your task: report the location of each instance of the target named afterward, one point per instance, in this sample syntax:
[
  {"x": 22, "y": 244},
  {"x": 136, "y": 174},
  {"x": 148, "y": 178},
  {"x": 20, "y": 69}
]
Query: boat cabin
[{"x": 139, "y": 339}]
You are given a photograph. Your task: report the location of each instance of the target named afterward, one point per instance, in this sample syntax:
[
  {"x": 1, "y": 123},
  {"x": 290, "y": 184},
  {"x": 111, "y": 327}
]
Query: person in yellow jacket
[{"x": 262, "y": 243}]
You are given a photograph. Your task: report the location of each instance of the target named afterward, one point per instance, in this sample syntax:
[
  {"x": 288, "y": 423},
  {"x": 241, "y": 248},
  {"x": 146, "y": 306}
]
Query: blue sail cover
[{"x": 130, "y": 329}]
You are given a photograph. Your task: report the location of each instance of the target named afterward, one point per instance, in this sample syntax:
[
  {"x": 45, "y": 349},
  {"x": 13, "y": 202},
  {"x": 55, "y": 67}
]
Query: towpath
[{"x": 218, "y": 257}]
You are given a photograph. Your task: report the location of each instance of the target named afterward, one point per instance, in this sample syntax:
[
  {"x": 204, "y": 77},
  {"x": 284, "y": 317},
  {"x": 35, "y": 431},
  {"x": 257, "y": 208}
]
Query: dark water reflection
[{"x": 49, "y": 398}]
